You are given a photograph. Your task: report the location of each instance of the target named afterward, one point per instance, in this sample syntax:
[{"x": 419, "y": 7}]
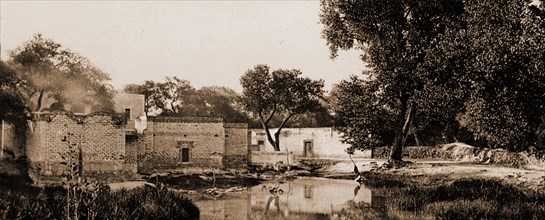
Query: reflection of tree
[
  {"x": 274, "y": 195},
  {"x": 361, "y": 210}
]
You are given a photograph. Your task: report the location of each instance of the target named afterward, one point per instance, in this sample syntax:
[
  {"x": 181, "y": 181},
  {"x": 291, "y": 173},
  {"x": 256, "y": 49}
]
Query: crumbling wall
[{"x": 98, "y": 141}]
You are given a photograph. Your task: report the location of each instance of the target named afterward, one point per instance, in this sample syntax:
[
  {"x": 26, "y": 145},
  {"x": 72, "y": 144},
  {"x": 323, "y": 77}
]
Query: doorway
[{"x": 308, "y": 148}]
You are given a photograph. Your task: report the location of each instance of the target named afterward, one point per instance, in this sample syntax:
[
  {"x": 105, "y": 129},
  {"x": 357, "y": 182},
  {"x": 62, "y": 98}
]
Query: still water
[{"x": 304, "y": 198}]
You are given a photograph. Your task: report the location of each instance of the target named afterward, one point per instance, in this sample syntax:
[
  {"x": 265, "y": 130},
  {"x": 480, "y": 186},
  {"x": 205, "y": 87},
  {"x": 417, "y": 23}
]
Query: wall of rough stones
[
  {"x": 97, "y": 141},
  {"x": 107, "y": 147},
  {"x": 236, "y": 145},
  {"x": 166, "y": 136}
]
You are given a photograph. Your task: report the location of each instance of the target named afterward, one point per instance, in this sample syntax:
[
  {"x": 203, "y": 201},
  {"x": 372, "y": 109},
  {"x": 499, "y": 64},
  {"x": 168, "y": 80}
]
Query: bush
[
  {"x": 466, "y": 198},
  {"x": 27, "y": 202},
  {"x": 462, "y": 209}
]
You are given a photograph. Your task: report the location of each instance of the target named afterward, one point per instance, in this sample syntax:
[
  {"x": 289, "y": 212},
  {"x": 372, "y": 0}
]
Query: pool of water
[{"x": 303, "y": 198}]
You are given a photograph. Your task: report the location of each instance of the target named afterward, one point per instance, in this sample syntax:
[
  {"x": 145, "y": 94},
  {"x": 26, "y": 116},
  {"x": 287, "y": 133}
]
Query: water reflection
[{"x": 308, "y": 198}]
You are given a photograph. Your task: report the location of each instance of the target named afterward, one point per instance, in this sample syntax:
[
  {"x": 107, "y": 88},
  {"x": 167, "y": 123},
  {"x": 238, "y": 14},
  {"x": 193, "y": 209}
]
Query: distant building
[
  {"x": 300, "y": 143},
  {"x": 125, "y": 143},
  {"x": 131, "y": 105}
]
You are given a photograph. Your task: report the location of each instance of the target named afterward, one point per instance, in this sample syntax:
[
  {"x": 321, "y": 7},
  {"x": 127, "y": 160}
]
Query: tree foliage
[
  {"x": 469, "y": 70},
  {"x": 49, "y": 70},
  {"x": 151, "y": 95},
  {"x": 280, "y": 92},
  {"x": 393, "y": 35},
  {"x": 176, "y": 97},
  {"x": 363, "y": 118},
  {"x": 222, "y": 101},
  {"x": 14, "y": 109},
  {"x": 492, "y": 58},
  {"x": 506, "y": 106}
]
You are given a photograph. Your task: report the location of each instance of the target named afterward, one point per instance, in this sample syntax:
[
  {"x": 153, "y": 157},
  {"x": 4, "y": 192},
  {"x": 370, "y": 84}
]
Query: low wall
[
  {"x": 264, "y": 157},
  {"x": 466, "y": 153},
  {"x": 103, "y": 171},
  {"x": 235, "y": 161}
]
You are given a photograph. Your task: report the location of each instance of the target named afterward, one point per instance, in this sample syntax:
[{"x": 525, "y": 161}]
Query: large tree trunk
[
  {"x": 404, "y": 123},
  {"x": 397, "y": 147},
  {"x": 408, "y": 123}
]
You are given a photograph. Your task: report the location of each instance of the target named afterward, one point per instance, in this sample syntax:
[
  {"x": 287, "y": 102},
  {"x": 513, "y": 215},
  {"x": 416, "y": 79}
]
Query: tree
[
  {"x": 14, "y": 109},
  {"x": 505, "y": 40},
  {"x": 281, "y": 92},
  {"x": 221, "y": 101},
  {"x": 69, "y": 78},
  {"x": 170, "y": 97},
  {"x": 364, "y": 119},
  {"x": 394, "y": 36},
  {"x": 151, "y": 95},
  {"x": 175, "y": 93}
]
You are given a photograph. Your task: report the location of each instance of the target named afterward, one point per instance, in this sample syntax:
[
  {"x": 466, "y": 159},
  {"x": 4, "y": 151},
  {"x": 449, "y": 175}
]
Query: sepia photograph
[{"x": 272, "y": 109}]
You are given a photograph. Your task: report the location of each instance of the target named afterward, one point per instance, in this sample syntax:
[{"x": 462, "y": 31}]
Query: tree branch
[{"x": 266, "y": 128}]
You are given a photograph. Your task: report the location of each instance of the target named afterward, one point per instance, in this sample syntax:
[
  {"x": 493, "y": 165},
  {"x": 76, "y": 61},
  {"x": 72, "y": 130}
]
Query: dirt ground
[
  {"x": 530, "y": 179},
  {"x": 525, "y": 178}
]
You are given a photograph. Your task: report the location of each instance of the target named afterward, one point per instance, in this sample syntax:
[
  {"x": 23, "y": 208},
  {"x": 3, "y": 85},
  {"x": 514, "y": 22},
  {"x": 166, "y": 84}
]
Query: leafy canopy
[{"x": 280, "y": 92}]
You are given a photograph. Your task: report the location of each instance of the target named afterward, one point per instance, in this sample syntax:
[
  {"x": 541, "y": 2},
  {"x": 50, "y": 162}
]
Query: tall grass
[
  {"x": 466, "y": 198},
  {"x": 28, "y": 202}
]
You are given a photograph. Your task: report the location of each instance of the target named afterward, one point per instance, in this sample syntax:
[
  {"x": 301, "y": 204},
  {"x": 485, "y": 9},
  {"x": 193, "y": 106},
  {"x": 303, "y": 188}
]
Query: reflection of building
[
  {"x": 317, "y": 196},
  {"x": 314, "y": 198},
  {"x": 237, "y": 206},
  {"x": 318, "y": 143}
]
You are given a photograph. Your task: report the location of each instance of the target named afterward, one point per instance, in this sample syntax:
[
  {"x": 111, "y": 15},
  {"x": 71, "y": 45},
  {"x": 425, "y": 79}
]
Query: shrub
[
  {"x": 462, "y": 209},
  {"x": 29, "y": 202},
  {"x": 466, "y": 198}
]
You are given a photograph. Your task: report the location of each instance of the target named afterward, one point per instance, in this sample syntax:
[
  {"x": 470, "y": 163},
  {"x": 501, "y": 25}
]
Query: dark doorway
[
  {"x": 308, "y": 148},
  {"x": 127, "y": 114},
  {"x": 185, "y": 154}
]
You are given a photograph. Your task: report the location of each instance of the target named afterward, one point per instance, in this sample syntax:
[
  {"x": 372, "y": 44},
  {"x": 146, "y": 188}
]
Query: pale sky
[{"x": 207, "y": 43}]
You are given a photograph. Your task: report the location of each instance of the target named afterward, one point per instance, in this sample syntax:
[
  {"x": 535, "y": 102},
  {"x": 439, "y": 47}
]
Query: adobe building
[
  {"x": 122, "y": 144},
  {"x": 95, "y": 142},
  {"x": 300, "y": 143},
  {"x": 171, "y": 143}
]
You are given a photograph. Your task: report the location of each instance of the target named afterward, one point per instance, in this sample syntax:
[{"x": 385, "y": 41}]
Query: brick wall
[
  {"x": 95, "y": 136},
  {"x": 166, "y": 136}
]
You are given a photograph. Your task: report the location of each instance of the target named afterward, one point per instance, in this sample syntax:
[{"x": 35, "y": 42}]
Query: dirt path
[{"x": 531, "y": 179}]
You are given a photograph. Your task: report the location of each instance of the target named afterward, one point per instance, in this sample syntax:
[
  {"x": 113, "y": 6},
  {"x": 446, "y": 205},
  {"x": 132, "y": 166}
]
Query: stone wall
[
  {"x": 106, "y": 146},
  {"x": 236, "y": 145},
  {"x": 166, "y": 137},
  {"x": 465, "y": 153},
  {"x": 97, "y": 142}
]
